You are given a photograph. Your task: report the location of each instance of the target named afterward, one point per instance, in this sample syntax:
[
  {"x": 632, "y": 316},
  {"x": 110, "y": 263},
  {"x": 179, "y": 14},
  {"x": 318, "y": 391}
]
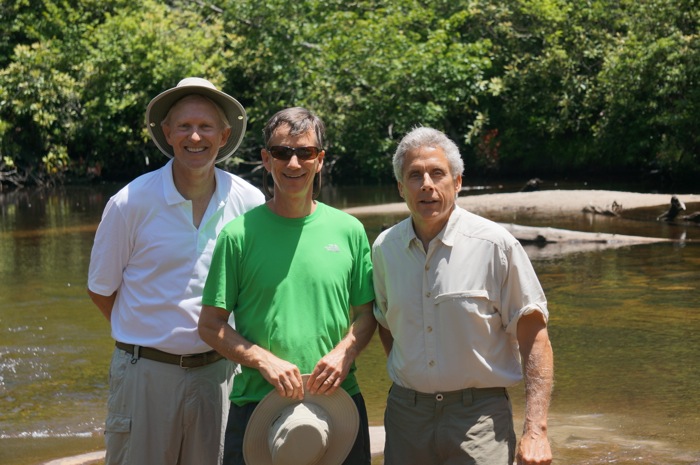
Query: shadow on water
[{"x": 624, "y": 325}]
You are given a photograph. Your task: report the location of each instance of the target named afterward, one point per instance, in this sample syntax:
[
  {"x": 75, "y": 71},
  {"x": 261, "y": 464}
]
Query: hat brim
[
  {"x": 341, "y": 409},
  {"x": 160, "y": 105}
]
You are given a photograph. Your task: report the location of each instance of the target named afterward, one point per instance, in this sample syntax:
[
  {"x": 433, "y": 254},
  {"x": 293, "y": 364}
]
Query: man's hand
[
  {"x": 536, "y": 353},
  {"x": 284, "y": 376},
  {"x": 534, "y": 449},
  {"x": 330, "y": 372},
  {"x": 215, "y": 331}
]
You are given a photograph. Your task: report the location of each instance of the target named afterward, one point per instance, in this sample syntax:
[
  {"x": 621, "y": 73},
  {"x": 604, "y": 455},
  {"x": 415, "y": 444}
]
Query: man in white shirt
[
  {"x": 168, "y": 399},
  {"x": 459, "y": 306}
]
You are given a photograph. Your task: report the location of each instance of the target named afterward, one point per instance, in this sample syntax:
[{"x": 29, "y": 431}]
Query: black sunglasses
[{"x": 282, "y": 152}]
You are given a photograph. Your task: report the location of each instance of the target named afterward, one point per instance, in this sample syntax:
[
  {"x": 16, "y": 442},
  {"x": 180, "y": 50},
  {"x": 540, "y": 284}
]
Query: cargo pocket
[
  {"x": 117, "y": 429},
  {"x": 117, "y": 423},
  {"x": 116, "y": 401}
]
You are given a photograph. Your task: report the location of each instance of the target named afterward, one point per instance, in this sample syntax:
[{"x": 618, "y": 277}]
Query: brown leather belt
[{"x": 184, "y": 361}]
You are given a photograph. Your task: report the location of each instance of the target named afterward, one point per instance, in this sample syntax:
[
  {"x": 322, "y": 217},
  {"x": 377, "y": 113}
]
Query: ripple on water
[
  {"x": 44, "y": 434},
  {"x": 27, "y": 364},
  {"x": 598, "y": 439}
]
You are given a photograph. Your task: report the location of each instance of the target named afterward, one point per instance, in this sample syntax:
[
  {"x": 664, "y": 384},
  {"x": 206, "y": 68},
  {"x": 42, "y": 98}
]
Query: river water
[{"x": 625, "y": 326}]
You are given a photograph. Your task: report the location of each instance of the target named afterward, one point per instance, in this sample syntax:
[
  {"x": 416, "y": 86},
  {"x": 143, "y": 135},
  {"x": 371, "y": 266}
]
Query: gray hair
[
  {"x": 300, "y": 121},
  {"x": 427, "y": 137}
]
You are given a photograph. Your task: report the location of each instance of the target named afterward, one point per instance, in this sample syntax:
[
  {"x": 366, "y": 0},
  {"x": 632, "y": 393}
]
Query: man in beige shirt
[{"x": 459, "y": 306}]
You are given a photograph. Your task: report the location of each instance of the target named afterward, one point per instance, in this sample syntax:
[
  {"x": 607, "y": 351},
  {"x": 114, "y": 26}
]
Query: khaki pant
[
  {"x": 470, "y": 427},
  {"x": 161, "y": 414}
]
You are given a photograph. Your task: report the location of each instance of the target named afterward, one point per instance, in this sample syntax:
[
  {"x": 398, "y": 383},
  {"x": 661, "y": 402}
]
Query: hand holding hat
[{"x": 319, "y": 430}]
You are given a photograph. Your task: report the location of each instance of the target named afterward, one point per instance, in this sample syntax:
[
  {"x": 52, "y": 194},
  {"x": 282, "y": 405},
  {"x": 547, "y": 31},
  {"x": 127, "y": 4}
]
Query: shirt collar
[
  {"x": 446, "y": 235},
  {"x": 223, "y": 187},
  {"x": 408, "y": 234},
  {"x": 173, "y": 196}
]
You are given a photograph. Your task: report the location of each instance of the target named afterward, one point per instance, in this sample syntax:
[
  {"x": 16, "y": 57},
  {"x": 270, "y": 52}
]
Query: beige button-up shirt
[{"x": 453, "y": 310}]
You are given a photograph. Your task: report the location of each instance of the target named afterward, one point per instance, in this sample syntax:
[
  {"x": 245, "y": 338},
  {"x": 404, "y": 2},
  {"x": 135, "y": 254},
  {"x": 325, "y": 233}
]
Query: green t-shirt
[{"x": 290, "y": 283}]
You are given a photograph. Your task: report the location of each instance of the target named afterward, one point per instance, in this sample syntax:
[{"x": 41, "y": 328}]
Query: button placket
[{"x": 428, "y": 317}]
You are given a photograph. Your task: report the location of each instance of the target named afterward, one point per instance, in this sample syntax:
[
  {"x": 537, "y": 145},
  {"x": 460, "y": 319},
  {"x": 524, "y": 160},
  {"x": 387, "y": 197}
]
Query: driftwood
[
  {"x": 546, "y": 235},
  {"x": 532, "y": 185},
  {"x": 11, "y": 177},
  {"x": 693, "y": 217},
  {"x": 613, "y": 210},
  {"x": 675, "y": 207},
  {"x": 546, "y": 243}
]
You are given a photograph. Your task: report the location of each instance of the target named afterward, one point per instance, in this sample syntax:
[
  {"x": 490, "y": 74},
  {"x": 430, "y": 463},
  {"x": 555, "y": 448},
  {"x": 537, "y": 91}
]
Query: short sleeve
[
  {"x": 222, "y": 284},
  {"x": 521, "y": 291},
  {"x": 110, "y": 251}
]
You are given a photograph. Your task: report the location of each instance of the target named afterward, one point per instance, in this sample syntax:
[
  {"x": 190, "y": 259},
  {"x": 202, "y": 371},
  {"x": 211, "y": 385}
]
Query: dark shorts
[
  {"x": 238, "y": 420},
  {"x": 468, "y": 427}
]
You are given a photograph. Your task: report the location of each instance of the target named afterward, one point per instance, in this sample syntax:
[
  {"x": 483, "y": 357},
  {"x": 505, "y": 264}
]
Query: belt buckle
[{"x": 182, "y": 359}]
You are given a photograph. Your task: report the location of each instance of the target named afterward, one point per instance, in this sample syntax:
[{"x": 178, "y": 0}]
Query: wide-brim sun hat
[
  {"x": 319, "y": 430},
  {"x": 160, "y": 105}
]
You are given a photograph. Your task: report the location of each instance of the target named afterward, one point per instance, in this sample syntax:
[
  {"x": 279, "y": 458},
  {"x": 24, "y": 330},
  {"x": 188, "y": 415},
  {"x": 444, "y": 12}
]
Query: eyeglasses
[{"x": 282, "y": 152}]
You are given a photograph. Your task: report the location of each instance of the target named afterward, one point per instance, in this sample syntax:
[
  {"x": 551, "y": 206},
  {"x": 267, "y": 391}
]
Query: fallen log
[
  {"x": 547, "y": 243},
  {"x": 547, "y": 235}
]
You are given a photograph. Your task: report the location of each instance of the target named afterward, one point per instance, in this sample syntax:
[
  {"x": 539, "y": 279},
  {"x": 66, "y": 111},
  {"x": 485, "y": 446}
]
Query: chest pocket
[{"x": 475, "y": 303}]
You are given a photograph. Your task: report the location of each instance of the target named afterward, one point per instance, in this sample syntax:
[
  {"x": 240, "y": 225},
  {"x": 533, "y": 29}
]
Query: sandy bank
[
  {"x": 549, "y": 201},
  {"x": 546, "y": 204}
]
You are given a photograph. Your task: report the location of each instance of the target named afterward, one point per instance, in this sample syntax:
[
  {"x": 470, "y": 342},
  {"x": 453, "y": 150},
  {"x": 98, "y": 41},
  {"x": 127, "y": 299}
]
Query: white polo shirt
[
  {"x": 453, "y": 311},
  {"x": 148, "y": 249}
]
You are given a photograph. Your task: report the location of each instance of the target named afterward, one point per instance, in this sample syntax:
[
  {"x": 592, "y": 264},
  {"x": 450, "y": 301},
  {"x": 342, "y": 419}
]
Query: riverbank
[
  {"x": 542, "y": 208},
  {"x": 550, "y": 202}
]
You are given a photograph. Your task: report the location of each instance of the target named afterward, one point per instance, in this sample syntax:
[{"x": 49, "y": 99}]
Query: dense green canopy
[{"x": 525, "y": 87}]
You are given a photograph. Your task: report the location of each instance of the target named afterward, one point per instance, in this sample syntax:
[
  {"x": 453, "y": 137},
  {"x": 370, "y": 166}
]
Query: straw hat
[
  {"x": 161, "y": 104},
  {"x": 320, "y": 430}
]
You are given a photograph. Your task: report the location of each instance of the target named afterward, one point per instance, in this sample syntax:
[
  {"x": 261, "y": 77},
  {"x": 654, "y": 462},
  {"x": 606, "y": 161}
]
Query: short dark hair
[{"x": 300, "y": 121}]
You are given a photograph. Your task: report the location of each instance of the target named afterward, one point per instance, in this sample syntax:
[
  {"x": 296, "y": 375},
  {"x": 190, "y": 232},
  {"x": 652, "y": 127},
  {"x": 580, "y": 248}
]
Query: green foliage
[
  {"x": 399, "y": 67},
  {"x": 42, "y": 103},
  {"x": 650, "y": 89},
  {"x": 548, "y": 103},
  {"x": 132, "y": 56},
  {"x": 603, "y": 87},
  {"x": 371, "y": 70},
  {"x": 79, "y": 101},
  {"x": 526, "y": 87}
]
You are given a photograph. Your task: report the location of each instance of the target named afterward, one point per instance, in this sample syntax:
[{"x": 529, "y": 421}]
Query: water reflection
[{"x": 624, "y": 327}]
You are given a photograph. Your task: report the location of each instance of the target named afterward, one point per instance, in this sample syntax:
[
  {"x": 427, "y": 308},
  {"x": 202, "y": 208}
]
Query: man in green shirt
[{"x": 297, "y": 276}]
